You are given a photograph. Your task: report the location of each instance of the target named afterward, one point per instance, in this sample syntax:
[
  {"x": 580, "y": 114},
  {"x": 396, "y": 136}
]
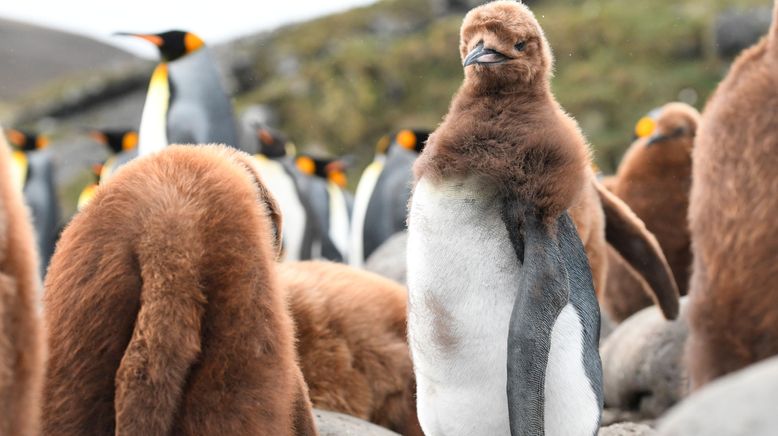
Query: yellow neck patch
[
  {"x": 86, "y": 195},
  {"x": 338, "y": 177},
  {"x": 645, "y": 127},
  {"x": 19, "y": 166}
]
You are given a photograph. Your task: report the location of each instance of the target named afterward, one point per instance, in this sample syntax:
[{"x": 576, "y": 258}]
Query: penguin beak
[
  {"x": 481, "y": 55},
  {"x": 154, "y": 39},
  {"x": 656, "y": 138}
]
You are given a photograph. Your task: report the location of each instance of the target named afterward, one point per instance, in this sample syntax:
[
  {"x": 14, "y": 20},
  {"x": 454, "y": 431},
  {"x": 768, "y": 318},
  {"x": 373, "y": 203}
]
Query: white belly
[{"x": 463, "y": 278}]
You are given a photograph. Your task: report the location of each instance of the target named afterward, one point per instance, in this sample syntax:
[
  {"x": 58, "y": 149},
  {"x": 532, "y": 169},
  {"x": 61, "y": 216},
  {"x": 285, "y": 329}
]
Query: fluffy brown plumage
[
  {"x": 351, "y": 339},
  {"x": 505, "y": 127},
  {"x": 654, "y": 180},
  {"x": 164, "y": 311},
  {"x": 21, "y": 339},
  {"x": 732, "y": 215}
]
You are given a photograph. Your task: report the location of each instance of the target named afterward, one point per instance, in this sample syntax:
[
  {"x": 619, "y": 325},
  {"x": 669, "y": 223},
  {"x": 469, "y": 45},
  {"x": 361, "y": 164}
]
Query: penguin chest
[{"x": 463, "y": 277}]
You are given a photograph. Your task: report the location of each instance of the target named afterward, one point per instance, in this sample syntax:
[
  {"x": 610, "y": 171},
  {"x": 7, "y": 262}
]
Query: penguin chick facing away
[
  {"x": 654, "y": 180},
  {"x": 489, "y": 229},
  {"x": 733, "y": 312},
  {"x": 177, "y": 324},
  {"x": 351, "y": 338},
  {"x": 21, "y": 336}
]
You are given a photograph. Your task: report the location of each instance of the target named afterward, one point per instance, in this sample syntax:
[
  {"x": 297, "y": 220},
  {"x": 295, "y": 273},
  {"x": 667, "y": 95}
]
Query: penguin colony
[
  {"x": 733, "y": 315},
  {"x": 186, "y": 323},
  {"x": 654, "y": 179}
]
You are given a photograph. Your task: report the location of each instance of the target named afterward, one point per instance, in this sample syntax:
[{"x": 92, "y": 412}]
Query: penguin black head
[
  {"x": 673, "y": 123},
  {"x": 173, "y": 44},
  {"x": 412, "y": 140},
  {"x": 26, "y": 141},
  {"x": 116, "y": 140},
  {"x": 272, "y": 143},
  {"x": 331, "y": 169},
  {"x": 503, "y": 47}
]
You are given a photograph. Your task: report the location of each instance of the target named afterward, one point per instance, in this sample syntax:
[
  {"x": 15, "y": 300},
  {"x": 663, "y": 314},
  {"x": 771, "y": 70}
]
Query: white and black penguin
[
  {"x": 117, "y": 141},
  {"x": 34, "y": 169},
  {"x": 302, "y": 239},
  {"x": 186, "y": 102},
  {"x": 380, "y": 203},
  {"x": 503, "y": 320},
  {"x": 324, "y": 181}
]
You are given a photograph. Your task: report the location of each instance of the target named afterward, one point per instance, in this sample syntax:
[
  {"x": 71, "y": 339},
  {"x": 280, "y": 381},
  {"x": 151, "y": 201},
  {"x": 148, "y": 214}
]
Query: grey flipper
[
  {"x": 40, "y": 194},
  {"x": 313, "y": 234},
  {"x": 388, "y": 206},
  {"x": 554, "y": 273},
  {"x": 200, "y": 110},
  {"x": 315, "y": 191}
]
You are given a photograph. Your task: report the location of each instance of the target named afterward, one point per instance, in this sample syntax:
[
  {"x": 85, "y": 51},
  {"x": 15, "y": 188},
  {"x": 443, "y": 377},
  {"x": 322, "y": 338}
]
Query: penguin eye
[{"x": 521, "y": 46}]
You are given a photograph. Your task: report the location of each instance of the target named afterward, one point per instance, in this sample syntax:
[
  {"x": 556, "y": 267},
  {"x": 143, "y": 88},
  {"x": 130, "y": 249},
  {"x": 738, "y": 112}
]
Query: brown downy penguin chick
[
  {"x": 527, "y": 322},
  {"x": 176, "y": 324},
  {"x": 21, "y": 336},
  {"x": 351, "y": 339},
  {"x": 733, "y": 316},
  {"x": 654, "y": 180}
]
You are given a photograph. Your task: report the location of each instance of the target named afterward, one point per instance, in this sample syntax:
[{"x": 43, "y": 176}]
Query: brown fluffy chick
[
  {"x": 733, "y": 310},
  {"x": 505, "y": 126},
  {"x": 654, "y": 180},
  {"x": 21, "y": 335},
  {"x": 351, "y": 339}
]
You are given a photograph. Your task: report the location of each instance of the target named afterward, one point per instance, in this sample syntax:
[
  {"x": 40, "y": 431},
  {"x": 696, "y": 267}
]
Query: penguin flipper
[{"x": 627, "y": 233}]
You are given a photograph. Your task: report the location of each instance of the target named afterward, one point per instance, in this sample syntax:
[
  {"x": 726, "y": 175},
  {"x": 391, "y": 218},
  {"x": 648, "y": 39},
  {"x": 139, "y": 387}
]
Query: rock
[
  {"x": 338, "y": 424},
  {"x": 737, "y": 30},
  {"x": 627, "y": 429},
  {"x": 388, "y": 260},
  {"x": 742, "y": 403},
  {"x": 642, "y": 363}
]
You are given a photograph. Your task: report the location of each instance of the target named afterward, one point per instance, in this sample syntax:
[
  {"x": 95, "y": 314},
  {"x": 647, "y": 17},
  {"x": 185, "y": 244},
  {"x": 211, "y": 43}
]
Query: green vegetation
[{"x": 346, "y": 79}]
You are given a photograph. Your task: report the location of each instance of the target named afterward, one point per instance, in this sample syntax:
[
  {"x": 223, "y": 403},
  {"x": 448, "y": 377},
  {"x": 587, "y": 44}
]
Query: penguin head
[
  {"x": 173, "y": 44},
  {"x": 330, "y": 169},
  {"x": 503, "y": 48},
  {"x": 411, "y": 140},
  {"x": 118, "y": 140},
  {"x": 26, "y": 141},
  {"x": 671, "y": 127},
  {"x": 272, "y": 143}
]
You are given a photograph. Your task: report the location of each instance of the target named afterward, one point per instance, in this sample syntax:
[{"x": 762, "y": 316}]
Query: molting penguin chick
[
  {"x": 654, "y": 180},
  {"x": 351, "y": 338},
  {"x": 176, "y": 324},
  {"x": 733, "y": 312},
  {"x": 21, "y": 335},
  {"x": 499, "y": 283}
]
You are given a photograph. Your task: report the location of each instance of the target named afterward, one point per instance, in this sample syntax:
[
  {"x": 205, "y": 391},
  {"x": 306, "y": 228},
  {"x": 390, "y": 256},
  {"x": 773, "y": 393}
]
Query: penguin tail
[
  {"x": 627, "y": 233},
  {"x": 165, "y": 341}
]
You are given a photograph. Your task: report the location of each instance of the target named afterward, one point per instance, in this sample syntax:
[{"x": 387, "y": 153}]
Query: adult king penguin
[
  {"x": 380, "y": 204},
  {"x": 35, "y": 173},
  {"x": 503, "y": 320},
  {"x": 186, "y": 102}
]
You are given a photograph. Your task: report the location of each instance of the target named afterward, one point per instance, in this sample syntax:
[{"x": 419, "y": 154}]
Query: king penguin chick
[
  {"x": 21, "y": 335},
  {"x": 303, "y": 238},
  {"x": 733, "y": 299},
  {"x": 654, "y": 179},
  {"x": 381, "y": 201},
  {"x": 186, "y": 102},
  {"x": 324, "y": 184},
  {"x": 176, "y": 324},
  {"x": 35, "y": 170},
  {"x": 505, "y": 153}
]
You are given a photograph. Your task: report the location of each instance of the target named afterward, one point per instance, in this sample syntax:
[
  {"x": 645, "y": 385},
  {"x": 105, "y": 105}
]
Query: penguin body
[
  {"x": 322, "y": 181},
  {"x": 21, "y": 336},
  {"x": 40, "y": 192},
  {"x": 380, "y": 206},
  {"x": 176, "y": 324},
  {"x": 733, "y": 304}
]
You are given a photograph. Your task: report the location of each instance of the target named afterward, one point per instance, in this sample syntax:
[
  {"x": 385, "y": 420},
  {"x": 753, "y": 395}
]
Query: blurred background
[{"x": 335, "y": 76}]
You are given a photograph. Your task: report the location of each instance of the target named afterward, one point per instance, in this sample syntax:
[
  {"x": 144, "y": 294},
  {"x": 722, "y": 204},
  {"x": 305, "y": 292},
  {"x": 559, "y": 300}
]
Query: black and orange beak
[{"x": 154, "y": 39}]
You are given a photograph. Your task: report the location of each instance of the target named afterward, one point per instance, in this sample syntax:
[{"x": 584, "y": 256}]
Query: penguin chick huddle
[{"x": 188, "y": 322}]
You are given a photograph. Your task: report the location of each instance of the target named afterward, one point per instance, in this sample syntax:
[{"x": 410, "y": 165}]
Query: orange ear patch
[
  {"x": 645, "y": 127},
  {"x": 130, "y": 141},
  {"x": 41, "y": 142},
  {"x": 306, "y": 165},
  {"x": 192, "y": 42},
  {"x": 406, "y": 139}
]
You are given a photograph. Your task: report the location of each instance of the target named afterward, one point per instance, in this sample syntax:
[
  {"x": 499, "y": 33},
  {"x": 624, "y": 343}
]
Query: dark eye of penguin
[{"x": 521, "y": 46}]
